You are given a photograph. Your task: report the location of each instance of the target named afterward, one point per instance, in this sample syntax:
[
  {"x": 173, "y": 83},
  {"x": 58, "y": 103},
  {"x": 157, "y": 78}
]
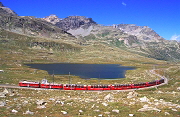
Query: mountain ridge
[{"x": 141, "y": 40}]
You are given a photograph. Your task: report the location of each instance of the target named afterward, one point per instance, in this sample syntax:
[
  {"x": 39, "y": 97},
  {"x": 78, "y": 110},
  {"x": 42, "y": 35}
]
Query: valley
[{"x": 25, "y": 39}]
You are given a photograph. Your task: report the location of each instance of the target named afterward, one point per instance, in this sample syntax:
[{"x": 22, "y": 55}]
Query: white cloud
[
  {"x": 123, "y": 3},
  {"x": 175, "y": 37}
]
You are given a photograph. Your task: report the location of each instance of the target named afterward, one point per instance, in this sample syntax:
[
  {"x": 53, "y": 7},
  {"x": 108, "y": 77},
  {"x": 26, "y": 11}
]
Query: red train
[{"x": 47, "y": 85}]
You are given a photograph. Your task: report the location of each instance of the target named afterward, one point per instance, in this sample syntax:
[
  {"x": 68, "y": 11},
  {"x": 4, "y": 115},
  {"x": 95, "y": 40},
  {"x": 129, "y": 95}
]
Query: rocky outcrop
[
  {"x": 75, "y": 22},
  {"x": 30, "y": 26},
  {"x": 142, "y": 32},
  {"x": 7, "y": 11},
  {"x": 52, "y": 19}
]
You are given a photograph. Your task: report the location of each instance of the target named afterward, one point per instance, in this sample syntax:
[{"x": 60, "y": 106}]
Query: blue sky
[{"x": 163, "y": 16}]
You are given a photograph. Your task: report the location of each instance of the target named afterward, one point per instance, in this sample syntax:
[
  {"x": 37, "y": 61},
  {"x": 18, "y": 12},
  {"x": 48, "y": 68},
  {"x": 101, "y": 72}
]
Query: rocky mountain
[
  {"x": 140, "y": 40},
  {"x": 6, "y": 11},
  {"x": 142, "y": 32},
  {"x": 31, "y": 26},
  {"x": 71, "y": 22},
  {"x": 52, "y": 19}
]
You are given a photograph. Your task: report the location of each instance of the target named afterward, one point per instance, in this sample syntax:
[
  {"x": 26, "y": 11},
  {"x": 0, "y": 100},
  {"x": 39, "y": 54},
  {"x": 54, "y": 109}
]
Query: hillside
[{"x": 78, "y": 39}]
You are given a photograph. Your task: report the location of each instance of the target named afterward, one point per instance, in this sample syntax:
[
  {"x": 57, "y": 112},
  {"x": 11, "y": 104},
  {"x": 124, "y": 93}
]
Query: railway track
[{"x": 151, "y": 71}]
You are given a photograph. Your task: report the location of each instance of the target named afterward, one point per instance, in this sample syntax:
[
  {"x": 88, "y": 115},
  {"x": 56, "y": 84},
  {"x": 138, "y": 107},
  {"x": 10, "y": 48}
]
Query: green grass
[{"x": 16, "y": 51}]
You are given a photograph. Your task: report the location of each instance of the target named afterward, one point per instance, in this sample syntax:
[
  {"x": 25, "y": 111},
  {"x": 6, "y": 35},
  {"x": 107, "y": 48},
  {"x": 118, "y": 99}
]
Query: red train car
[
  {"x": 80, "y": 87},
  {"x": 29, "y": 84},
  {"x": 69, "y": 87},
  {"x": 140, "y": 85},
  {"x": 45, "y": 84},
  {"x": 95, "y": 87},
  {"x": 121, "y": 86}
]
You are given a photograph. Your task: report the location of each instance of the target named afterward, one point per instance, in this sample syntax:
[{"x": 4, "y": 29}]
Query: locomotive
[{"x": 46, "y": 85}]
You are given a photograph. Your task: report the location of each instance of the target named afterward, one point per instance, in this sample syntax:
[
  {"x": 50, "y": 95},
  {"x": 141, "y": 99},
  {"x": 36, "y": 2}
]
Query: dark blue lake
[{"x": 86, "y": 71}]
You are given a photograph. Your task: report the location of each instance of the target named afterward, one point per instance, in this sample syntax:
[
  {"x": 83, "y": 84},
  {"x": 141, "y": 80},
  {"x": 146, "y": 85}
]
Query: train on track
[{"x": 45, "y": 84}]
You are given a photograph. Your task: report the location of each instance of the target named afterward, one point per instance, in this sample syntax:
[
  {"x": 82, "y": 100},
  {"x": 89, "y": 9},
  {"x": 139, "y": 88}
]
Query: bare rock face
[
  {"x": 52, "y": 19},
  {"x": 1, "y": 4},
  {"x": 7, "y": 11},
  {"x": 74, "y": 22},
  {"x": 142, "y": 32}
]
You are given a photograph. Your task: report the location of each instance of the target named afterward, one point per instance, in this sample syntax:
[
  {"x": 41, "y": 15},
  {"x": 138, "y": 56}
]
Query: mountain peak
[
  {"x": 6, "y": 11},
  {"x": 143, "y": 32},
  {"x": 74, "y": 22},
  {"x": 52, "y": 19},
  {"x": 1, "y": 4}
]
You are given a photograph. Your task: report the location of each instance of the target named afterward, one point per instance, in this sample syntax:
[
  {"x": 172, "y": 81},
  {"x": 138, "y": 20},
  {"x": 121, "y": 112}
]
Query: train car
[
  {"x": 95, "y": 87},
  {"x": 106, "y": 87},
  {"x": 139, "y": 85},
  {"x": 80, "y": 87},
  {"x": 45, "y": 84},
  {"x": 153, "y": 83},
  {"x": 161, "y": 80},
  {"x": 121, "y": 86},
  {"x": 69, "y": 87},
  {"x": 29, "y": 84},
  {"x": 56, "y": 86}
]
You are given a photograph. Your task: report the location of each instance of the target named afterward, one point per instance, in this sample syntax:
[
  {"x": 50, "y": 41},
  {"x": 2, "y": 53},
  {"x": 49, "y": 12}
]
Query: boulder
[
  {"x": 14, "y": 111},
  {"x": 105, "y": 104},
  {"x": 109, "y": 97},
  {"x": 64, "y": 112},
  {"x": 131, "y": 115},
  {"x": 42, "y": 106},
  {"x": 41, "y": 102},
  {"x": 28, "y": 112},
  {"x": 166, "y": 113},
  {"x": 2, "y": 103},
  {"x": 144, "y": 99},
  {"x": 5, "y": 91},
  {"x": 115, "y": 110},
  {"x": 148, "y": 108},
  {"x": 132, "y": 94},
  {"x": 178, "y": 88}
]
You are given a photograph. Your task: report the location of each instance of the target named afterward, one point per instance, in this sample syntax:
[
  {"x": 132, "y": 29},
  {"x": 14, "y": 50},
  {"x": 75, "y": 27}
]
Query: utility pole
[
  {"x": 69, "y": 78},
  {"x": 53, "y": 77}
]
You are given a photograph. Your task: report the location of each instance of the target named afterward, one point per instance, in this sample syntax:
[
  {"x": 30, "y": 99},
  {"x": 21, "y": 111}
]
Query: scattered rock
[
  {"x": 2, "y": 94},
  {"x": 132, "y": 94},
  {"x": 14, "y": 111},
  {"x": 115, "y": 110},
  {"x": 42, "y": 106},
  {"x": 52, "y": 99},
  {"x": 100, "y": 115},
  {"x": 109, "y": 97},
  {"x": 5, "y": 91},
  {"x": 144, "y": 99},
  {"x": 105, "y": 104},
  {"x": 28, "y": 112},
  {"x": 131, "y": 115},
  {"x": 80, "y": 111},
  {"x": 173, "y": 109},
  {"x": 2, "y": 103},
  {"x": 41, "y": 102},
  {"x": 147, "y": 108},
  {"x": 107, "y": 113},
  {"x": 178, "y": 88},
  {"x": 166, "y": 113},
  {"x": 96, "y": 110},
  {"x": 64, "y": 112}
]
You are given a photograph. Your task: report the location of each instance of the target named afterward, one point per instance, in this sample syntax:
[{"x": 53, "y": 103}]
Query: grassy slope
[{"x": 16, "y": 50}]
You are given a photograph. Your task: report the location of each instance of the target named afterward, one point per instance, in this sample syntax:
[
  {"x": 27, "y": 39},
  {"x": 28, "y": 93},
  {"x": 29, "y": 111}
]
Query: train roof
[{"x": 25, "y": 81}]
